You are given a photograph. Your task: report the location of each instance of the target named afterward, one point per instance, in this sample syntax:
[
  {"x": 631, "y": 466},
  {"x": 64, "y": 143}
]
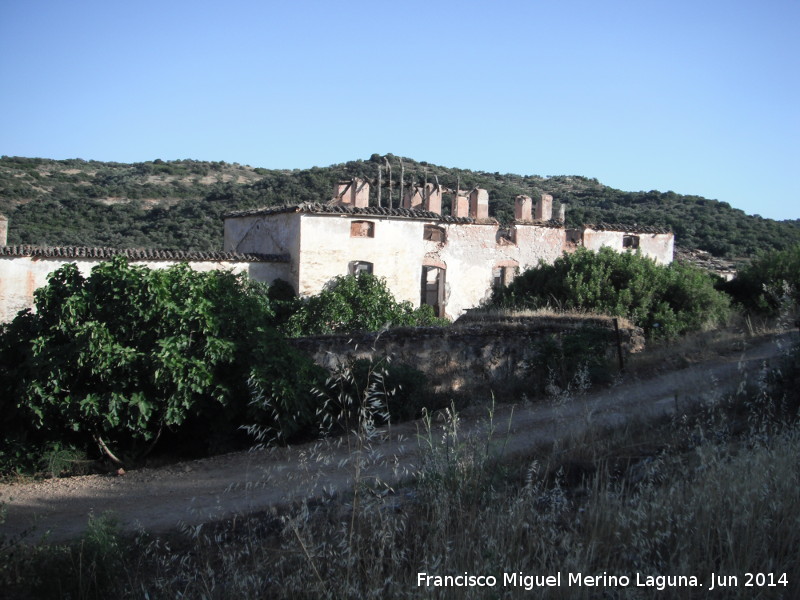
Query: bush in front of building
[
  {"x": 665, "y": 301},
  {"x": 129, "y": 356},
  {"x": 352, "y": 303},
  {"x": 768, "y": 284}
]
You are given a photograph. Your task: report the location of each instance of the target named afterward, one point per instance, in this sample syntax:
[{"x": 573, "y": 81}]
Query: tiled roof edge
[
  {"x": 552, "y": 223},
  {"x": 136, "y": 254},
  {"x": 627, "y": 227},
  {"x": 371, "y": 211}
]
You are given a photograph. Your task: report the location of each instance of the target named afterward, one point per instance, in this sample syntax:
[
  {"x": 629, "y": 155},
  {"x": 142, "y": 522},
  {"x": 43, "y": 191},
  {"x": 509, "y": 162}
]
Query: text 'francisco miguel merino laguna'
[{"x": 529, "y": 582}]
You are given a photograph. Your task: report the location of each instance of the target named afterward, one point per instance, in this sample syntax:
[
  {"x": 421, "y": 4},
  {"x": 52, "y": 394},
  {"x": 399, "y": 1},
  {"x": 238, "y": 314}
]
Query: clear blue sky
[{"x": 695, "y": 96}]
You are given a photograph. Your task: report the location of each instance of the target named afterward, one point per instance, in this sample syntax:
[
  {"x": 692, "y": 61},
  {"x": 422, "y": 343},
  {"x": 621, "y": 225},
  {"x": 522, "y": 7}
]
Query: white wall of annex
[
  {"x": 658, "y": 246},
  {"x": 20, "y": 276},
  {"x": 271, "y": 234}
]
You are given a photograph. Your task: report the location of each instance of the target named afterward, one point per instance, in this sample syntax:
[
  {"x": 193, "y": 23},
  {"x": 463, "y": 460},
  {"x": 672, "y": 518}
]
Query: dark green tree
[
  {"x": 356, "y": 303},
  {"x": 127, "y": 354},
  {"x": 768, "y": 282},
  {"x": 666, "y": 301}
]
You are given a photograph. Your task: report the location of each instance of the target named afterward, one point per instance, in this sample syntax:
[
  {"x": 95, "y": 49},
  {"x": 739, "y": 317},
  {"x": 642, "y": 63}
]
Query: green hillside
[{"x": 178, "y": 204}]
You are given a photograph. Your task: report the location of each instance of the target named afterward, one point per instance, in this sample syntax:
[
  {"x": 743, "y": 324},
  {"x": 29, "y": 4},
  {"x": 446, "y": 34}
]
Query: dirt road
[{"x": 235, "y": 484}]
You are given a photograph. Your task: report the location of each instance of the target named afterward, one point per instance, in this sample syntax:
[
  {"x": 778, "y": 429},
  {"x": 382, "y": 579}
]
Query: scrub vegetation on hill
[{"x": 179, "y": 204}]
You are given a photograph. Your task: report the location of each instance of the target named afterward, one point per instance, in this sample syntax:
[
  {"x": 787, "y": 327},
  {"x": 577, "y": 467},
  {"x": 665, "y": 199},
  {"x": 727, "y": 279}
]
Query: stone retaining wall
[{"x": 473, "y": 354}]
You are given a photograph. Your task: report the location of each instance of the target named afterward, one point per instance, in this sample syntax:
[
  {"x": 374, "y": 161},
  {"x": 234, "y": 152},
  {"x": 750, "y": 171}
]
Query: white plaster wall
[
  {"x": 658, "y": 246},
  {"x": 534, "y": 243},
  {"x": 473, "y": 252},
  {"x": 594, "y": 240},
  {"x": 470, "y": 255},
  {"x": 21, "y": 276},
  {"x": 267, "y": 272},
  {"x": 396, "y": 252},
  {"x": 267, "y": 234},
  {"x": 272, "y": 234}
]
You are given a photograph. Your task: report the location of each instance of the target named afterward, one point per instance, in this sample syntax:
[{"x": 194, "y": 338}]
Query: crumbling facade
[
  {"x": 450, "y": 262},
  {"x": 650, "y": 241}
]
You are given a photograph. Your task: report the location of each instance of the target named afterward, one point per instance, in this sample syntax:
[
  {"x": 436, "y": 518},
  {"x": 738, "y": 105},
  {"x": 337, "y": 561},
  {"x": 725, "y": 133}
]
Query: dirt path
[{"x": 225, "y": 486}]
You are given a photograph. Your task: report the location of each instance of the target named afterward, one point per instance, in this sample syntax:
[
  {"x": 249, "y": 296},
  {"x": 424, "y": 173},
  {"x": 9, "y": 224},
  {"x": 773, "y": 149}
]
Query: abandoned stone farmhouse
[{"x": 450, "y": 262}]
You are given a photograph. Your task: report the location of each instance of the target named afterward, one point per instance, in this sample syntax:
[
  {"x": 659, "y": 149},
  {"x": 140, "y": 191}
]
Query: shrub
[
  {"x": 765, "y": 284},
  {"x": 360, "y": 302},
  {"x": 92, "y": 567},
  {"x": 666, "y": 301},
  {"x": 129, "y": 353}
]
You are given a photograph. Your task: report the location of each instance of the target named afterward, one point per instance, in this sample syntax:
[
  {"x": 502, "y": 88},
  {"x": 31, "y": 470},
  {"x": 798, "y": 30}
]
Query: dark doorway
[{"x": 432, "y": 286}]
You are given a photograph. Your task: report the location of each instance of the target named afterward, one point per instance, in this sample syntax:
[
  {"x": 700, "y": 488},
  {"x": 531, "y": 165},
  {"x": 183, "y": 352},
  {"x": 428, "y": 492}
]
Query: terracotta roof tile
[
  {"x": 136, "y": 254},
  {"x": 552, "y": 223},
  {"x": 372, "y": 211},
  {"x": 627, "y": 227}
]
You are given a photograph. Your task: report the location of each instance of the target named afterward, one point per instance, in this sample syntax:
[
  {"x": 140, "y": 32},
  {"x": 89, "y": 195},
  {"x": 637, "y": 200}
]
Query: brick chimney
[
  {"x": 544, "y": 208},
  {"x": 479, "y": 204},
  {"x": 460, "y": 206},
  {"x": 433, "y": 198},
  {"x": 413, "y": 198},
  {"x": 360, "y": 193},
  {"x": 353, "y": 192},
  {"x": 523, "y": 208}
]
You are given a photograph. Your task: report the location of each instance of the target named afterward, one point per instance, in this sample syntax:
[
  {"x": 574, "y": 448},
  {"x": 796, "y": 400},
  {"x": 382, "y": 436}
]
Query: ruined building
[{"x": 450, "y": 262}]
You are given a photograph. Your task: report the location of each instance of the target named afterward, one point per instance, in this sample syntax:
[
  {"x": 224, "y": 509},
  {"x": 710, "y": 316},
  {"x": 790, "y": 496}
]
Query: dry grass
[
  {"x": 492, "y": 314},
  {"x": 717, "y": 491},
  {"x": 698, "y": 347}
]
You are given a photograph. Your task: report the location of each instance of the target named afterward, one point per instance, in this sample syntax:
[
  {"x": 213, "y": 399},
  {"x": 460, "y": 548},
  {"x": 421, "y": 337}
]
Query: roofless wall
[{"x": 23, "y": 269}]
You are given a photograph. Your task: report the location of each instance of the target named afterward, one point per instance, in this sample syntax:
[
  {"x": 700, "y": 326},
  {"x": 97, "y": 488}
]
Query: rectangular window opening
[
  {"x": 357, "y": 267},
  {"x": 433, "y": 289},
  {"x": 434, "y": 234},
  {"x": 362, "y": 229},
  {"x": 630, "y": 241},
  {"x": 503, "y": 276}
]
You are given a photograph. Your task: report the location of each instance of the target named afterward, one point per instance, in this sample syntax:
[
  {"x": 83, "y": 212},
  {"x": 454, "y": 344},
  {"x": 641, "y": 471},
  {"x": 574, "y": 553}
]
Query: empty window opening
[
  {"x": 506, "y": 237},
  {"x": 432, "y": 287},
  {"x": 364, "y": 229},
  {"x": 502, "y": 276},
  {"x": 434, "y": 234},
  {"x": 630, "y": 241},
  {"x": 357, "y": 267},
  {"x": 575, "y": 236}
]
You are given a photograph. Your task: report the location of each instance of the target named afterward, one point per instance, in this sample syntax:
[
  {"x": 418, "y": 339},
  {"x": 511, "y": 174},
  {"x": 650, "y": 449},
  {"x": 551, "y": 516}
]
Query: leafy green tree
[
  {"x": 128, "y": 353},
  {"x": 666, "y": 301},
  {"x": 768, "y": 281},
  {"x": 360, "y": 302}
]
